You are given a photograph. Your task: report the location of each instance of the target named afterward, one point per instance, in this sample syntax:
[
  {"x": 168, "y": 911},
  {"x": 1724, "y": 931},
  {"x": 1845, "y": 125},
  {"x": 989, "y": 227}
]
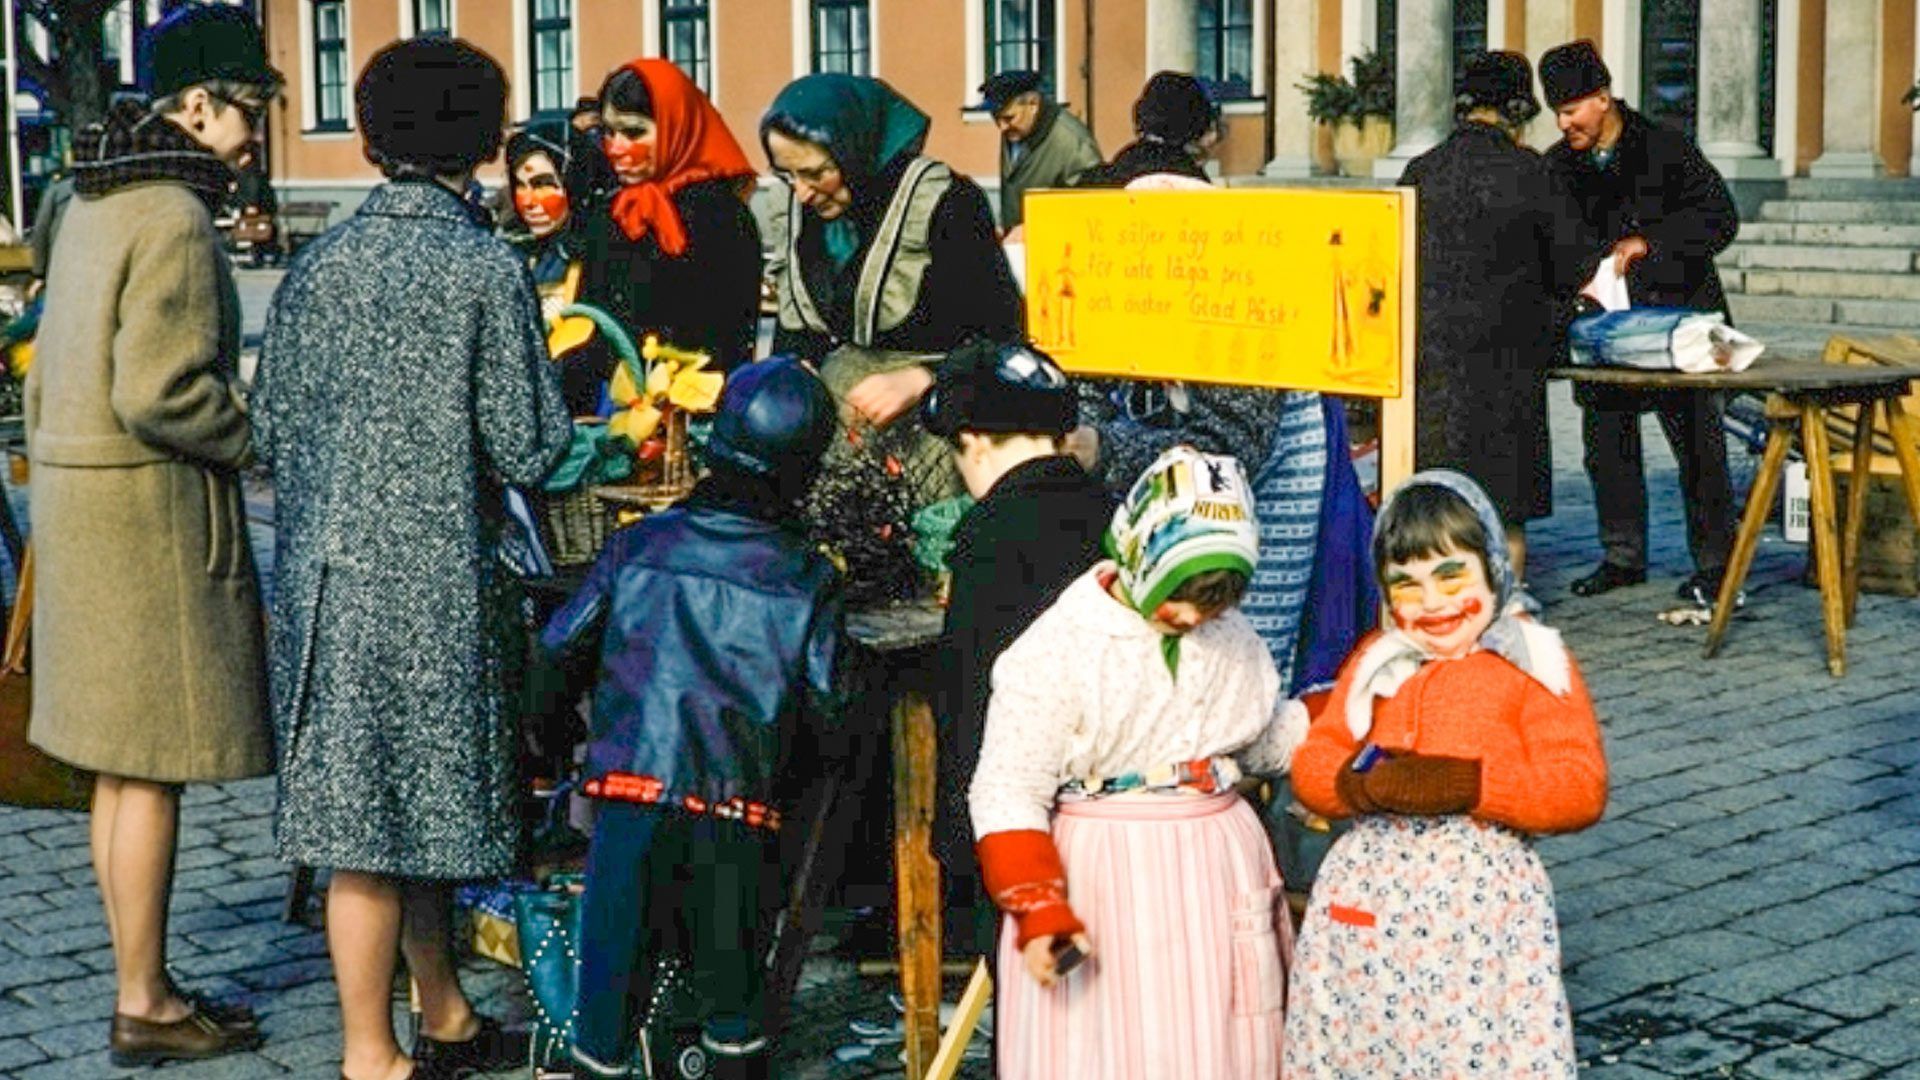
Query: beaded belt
[
  {"x": 652, "y": 791},
  {"x": 1205, "y": 776}
]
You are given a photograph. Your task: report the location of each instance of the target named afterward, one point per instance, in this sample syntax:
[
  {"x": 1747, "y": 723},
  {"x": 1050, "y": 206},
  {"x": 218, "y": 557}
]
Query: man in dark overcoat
[
  {"x": 1503, "y": 251},
  {"x": 1650, "y": 193}
]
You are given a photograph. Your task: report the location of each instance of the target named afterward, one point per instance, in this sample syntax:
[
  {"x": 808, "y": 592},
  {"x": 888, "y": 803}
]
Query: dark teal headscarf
[{"x": 863, "y": 123}]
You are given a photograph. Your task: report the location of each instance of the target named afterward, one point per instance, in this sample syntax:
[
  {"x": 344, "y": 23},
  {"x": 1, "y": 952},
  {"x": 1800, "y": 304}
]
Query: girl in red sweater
[{"x": 1431, "y": 947}]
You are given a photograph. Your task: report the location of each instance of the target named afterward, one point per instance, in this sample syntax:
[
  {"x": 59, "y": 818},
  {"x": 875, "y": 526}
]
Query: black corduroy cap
[
  {"x": 1572, "y": 71},
  {"x": 201, "y": 43}
]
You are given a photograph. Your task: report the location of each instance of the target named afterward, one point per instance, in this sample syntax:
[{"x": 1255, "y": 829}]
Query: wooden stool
[{"x": 1802, "y": 412}]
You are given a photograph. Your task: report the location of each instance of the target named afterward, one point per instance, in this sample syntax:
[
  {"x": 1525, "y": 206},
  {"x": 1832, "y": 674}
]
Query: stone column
[
  {"x": 1294, "y": 31},
  {"x": 1729, "y": 90},
  {"x": 1173, "y": 36},
  {"x": 1423, "y": 83},
  {"x": 1913, "y": 168},
  {"x": 1549, "y": 23},
  {"x": 1850, "y": 119}
]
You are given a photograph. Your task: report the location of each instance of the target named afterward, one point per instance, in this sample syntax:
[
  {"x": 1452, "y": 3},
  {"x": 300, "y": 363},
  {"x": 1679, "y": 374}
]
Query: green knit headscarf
[
  {"x": 863, "y": 123},
  {"x": 1187, "y": 514}
]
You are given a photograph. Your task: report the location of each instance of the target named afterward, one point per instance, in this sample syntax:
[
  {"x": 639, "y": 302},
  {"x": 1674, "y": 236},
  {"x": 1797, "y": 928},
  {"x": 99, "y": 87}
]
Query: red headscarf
[{"x": 691, "y": 144}]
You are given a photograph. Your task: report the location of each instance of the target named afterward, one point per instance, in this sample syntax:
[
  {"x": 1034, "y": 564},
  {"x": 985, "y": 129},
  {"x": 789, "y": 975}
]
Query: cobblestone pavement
[{"x": 1750, "y": 907}]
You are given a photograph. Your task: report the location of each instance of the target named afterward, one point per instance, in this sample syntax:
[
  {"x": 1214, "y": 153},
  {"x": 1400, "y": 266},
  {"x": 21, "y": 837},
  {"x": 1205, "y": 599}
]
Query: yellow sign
[{"x": 1301, "y": 289}]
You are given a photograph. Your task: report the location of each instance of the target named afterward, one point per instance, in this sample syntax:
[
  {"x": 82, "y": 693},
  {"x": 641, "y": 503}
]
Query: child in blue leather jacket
[{"x": 719, "y": 629}]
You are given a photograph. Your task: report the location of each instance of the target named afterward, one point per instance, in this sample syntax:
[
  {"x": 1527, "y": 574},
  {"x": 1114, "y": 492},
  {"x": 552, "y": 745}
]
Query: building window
[
  {"x": 330, "y": 64},
  {"x": 1226, "y": 46},
  {"x": 1469, "y": 33},
  {"x": 551, "y": 38},
  {"x": 1020, "y": 37},
  {"x": 432, "y": 18},
  {"x": 686, "y": 37},
  {"x": 840, "y": 37}
]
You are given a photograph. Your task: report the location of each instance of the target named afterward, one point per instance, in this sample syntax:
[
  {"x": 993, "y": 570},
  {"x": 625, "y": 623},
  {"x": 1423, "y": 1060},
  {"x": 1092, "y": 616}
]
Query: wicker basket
[
  {"x": 577, "y": 527},
  {"x": 661, "y": 483}
]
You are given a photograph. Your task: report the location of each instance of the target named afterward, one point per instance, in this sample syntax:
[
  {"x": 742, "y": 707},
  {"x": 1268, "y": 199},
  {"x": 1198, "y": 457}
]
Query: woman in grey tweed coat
[{"x": 403, "y": 378}]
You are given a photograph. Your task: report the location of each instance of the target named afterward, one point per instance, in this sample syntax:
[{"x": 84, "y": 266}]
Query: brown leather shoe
[{"x": 133, "y": 1042}]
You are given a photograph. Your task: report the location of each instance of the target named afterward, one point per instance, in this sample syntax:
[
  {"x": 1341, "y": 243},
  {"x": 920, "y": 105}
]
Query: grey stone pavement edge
[{"x": 1750, "y": 906}]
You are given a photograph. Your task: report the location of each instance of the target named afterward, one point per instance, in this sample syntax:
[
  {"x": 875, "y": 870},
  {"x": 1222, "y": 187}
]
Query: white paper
[{"x": 1608, "y": 287}]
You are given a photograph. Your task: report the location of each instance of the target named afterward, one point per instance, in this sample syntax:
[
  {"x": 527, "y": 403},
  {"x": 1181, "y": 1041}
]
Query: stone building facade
[{"x": 1771, "y": 88}]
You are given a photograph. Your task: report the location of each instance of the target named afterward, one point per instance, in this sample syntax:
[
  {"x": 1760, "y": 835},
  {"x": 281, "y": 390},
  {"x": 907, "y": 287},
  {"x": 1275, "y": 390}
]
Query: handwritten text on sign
[{"x": 1295, "y": 289}]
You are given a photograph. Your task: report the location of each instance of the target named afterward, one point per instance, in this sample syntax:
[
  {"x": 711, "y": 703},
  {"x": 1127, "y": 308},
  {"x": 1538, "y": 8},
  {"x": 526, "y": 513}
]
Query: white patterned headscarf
[
  {"x": 1187, "y": 514},
  {"x": 1389, "y": 662}
]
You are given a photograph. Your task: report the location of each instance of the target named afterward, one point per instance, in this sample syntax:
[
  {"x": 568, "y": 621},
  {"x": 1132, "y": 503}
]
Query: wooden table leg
[
  {"x": 1907, "y": 450},
  {"x": 806, "y": 902},
  {"x": 1747, "y": 540},
  {"x": 1857, "y": 486},
  {"x": 917, "y": 876},
  {"x": 1813, "y": 436}
]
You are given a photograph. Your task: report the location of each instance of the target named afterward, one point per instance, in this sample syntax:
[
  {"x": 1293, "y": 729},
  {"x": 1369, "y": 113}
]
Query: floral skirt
[
  {"x": 1190, "y": 943},
  {"x": 1430, "y": 950}
]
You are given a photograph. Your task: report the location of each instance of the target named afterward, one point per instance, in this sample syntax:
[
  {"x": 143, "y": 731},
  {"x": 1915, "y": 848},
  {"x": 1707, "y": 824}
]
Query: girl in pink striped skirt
[{"x": 1105, "y": 808}]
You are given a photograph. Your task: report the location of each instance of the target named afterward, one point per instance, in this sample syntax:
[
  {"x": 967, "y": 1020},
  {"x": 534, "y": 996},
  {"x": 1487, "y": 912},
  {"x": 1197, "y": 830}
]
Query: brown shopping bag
[{"x": 29, "y": 777}]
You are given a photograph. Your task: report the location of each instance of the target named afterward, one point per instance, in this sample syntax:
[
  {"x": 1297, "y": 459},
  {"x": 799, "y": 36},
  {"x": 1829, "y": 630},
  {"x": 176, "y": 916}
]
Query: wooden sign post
[{"x": 1297, "y": 289}]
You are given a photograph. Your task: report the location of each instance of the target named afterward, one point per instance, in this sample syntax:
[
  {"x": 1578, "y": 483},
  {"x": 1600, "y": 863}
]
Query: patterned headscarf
[
  {"x": 1391, "y": 660},
  {"x": 1187, "y": 514}
]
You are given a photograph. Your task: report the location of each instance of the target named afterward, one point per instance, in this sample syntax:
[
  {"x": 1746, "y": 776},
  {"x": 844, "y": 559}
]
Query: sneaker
[{"x": 1606, "y": 579}]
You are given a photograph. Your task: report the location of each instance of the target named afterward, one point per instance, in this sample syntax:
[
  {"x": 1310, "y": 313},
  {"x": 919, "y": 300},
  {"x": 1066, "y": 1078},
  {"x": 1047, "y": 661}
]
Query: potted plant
[{"x": 1358, "y": 109}]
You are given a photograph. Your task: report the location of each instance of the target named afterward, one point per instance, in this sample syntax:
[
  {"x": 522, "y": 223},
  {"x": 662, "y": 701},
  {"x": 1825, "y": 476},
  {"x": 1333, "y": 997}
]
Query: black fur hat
[
  {"x": 431, "y": 105},
  {"x": 1572, "y": 71}
]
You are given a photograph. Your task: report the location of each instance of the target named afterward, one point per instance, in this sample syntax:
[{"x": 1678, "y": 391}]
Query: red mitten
[{"x": 1023, "y": 874}]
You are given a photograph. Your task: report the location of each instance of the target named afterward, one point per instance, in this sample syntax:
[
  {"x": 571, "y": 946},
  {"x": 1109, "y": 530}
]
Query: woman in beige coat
[{"x": 147, "y": 634}]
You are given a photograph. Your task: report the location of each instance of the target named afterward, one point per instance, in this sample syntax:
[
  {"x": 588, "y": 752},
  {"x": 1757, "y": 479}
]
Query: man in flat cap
[
  {"x": 1042, "y": 145},
  {"x": 1651, "y": 194}
]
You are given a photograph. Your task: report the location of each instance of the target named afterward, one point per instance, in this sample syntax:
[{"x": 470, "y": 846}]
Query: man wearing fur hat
[
  {"x": 1652, "y": 195},
  {"x": 1042, "y": 145}
]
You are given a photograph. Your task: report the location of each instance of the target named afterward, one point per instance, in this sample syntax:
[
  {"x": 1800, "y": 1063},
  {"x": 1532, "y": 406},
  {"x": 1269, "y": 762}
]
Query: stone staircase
[{"x": 1832, "y": 251}]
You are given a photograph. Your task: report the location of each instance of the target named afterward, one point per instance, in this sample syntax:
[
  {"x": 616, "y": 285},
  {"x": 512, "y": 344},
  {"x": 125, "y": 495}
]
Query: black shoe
[
  {"x": 492, "y": 1049},
  {"x": 1606, "y": 579},
  {"x": 1704, "y": 590}
]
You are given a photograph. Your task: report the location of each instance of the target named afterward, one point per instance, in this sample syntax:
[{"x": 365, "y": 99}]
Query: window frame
[
  {"x": 416, "y": 8},
  {"x": 817, "y": 11},
  {"x": 1045, "y": 41},
  {"x": 1221, "y": 32},
  {"x": 699, "y": 13},
  {"x": 321, "y": 48},
  {"x": 536, "y": 74}
]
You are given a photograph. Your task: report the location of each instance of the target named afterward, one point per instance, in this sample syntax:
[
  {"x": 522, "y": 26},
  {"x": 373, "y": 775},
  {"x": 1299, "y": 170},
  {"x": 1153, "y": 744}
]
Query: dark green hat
[{"x": 200, "y": 43}]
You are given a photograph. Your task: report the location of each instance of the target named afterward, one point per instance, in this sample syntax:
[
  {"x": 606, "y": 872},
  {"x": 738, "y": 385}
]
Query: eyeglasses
[
  {"x": 253, "y": 111},
  {"x": 812, "y": 176}
]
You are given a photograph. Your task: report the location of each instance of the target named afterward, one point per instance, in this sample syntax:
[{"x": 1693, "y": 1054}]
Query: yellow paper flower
[
  {"x": 696, "y": 391},
  {"x": 637, "y": 423}
]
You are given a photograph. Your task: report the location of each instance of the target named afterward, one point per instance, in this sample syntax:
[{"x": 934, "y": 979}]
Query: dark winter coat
[
  {"x": 1504, "y": 249},
  {"x": 1657, "y": 186},
  {"x": 719, "y": 637},
  {"x": 403, "y": 380},
  {"x": 1147, "y": 157},
  {"x": 1013, "y": 554},
  {"x": 706, "y": 299},
  {"x": 968, "y": 288}
]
